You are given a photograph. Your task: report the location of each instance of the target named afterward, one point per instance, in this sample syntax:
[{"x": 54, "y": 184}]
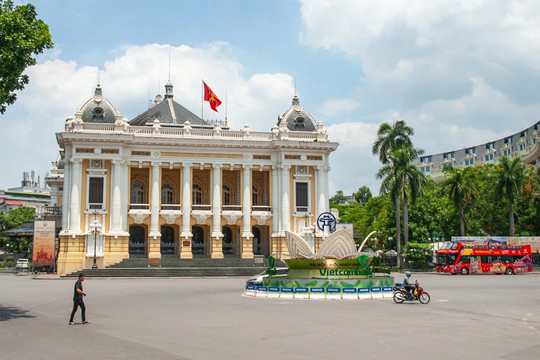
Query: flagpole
[
  {"x": 226, "y": 105},
  {"x": 202, "y": 100}
]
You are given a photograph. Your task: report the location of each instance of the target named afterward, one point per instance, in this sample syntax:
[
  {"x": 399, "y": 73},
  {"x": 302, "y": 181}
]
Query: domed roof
[
  {"x": 98, "y": 109},
  {"x": 297, "y": 118}
]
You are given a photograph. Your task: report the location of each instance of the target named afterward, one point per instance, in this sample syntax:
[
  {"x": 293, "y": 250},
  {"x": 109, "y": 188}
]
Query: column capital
[
  {"x": 75, "y": 160},
  {"x": 118, "y": 162},
  {"x": 187, "y": 164},
  {"x": 247, "y": 166},
  {"x": 156, "y": 163},
  {"x": 217, "y": 166},
  {"x": 285, "y": 167}
]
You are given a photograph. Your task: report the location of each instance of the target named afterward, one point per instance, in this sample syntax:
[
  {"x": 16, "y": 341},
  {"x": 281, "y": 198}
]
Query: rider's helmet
[{"x": 408, "y": 274}]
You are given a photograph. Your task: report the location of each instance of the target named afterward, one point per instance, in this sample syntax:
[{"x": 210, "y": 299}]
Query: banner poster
[
  {"x": 347, "y": 227},
  {"x": 44, "y": 237},
  {"x": 480, "y": 240},
  {"x": 534, "y": 241}
]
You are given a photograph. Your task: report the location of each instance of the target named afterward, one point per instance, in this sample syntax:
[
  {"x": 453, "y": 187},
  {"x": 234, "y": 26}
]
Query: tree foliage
[
  {"x": 12, "y": 220},
  {"x": 21, "y": 36}
]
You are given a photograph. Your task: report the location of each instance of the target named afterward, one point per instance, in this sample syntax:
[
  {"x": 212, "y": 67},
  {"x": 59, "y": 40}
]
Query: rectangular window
[
  {"x": 301, "y": 197},
  {"x": 95, "y": 193}
]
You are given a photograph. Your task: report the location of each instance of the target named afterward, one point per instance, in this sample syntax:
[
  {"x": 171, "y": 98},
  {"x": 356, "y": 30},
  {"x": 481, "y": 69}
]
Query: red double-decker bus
[{"x": 458, "y": 258}]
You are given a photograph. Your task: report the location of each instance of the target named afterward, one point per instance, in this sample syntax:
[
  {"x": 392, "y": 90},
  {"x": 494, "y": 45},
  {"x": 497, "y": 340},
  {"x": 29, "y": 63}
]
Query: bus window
[
  {"x": 452, "y": 259},
  {"x": 465, "y": 259},
  {"x": 454, "y": 246}
]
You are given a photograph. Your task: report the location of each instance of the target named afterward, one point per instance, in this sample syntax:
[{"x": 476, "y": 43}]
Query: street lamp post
[{"x": 95, "y": 228}]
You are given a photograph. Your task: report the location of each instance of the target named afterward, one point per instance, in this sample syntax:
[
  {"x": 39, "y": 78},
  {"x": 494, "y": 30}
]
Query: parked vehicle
[
  {"x": 258, "y": 279},
  {"x": 401, "y": 294},
  {"x": 22, "y": 264}
]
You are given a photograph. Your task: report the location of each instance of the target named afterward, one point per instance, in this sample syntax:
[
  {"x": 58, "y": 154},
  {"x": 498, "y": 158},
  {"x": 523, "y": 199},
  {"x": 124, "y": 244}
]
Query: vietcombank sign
[{"x": 329, "y": 268}]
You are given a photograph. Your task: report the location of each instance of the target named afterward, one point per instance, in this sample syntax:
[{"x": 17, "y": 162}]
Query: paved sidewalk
[{"x": 469, "y": 317}]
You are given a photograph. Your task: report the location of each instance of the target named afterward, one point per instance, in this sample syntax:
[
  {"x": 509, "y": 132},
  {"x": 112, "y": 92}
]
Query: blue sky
[{"x": 460, "y": 73}]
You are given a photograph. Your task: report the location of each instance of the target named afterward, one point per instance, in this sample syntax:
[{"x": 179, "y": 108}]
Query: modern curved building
[
  {"x": 170, "y": 184},
  {"x": 525, "y": 144}
]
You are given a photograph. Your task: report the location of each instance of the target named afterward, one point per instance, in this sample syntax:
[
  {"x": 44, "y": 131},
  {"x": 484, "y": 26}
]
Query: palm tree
[
  {"x": 402, "y": 179},
  {"x": 390, "y": 137},
  {"x": 511, "y": 178},
  {"x": 461, "y": 187}
]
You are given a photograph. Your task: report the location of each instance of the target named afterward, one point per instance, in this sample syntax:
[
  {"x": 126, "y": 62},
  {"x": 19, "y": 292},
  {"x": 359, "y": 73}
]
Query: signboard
[
  {"x": 44, "y": 238},
  {"x": 347, "y": 227},
  {"x": 326, "y": 222},
  {"x": 534, "y": 241}
]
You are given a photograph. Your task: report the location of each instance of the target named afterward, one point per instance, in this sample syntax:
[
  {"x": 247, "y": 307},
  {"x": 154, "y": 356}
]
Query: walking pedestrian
[{"x": 78, "y": 295}]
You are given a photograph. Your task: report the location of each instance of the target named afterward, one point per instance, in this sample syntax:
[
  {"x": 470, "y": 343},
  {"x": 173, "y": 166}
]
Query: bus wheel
[
  {"x": 464, "y": 271},
  {"x": 509, "y": 271}
]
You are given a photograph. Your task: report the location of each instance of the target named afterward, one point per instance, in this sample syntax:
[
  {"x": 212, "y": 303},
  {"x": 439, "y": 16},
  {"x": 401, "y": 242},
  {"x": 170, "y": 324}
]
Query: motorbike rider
[{"x": 407, "y": 284}]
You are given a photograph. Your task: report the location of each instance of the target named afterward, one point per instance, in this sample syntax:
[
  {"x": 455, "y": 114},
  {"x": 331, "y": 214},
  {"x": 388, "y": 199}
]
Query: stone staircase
[{"x": 174, "y": 267}]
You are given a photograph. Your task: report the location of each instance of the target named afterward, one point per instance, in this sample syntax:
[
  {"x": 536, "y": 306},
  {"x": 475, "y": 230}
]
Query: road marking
[
  {"x": 533, "y": 328},
  {"x": 443, "y": 300}
]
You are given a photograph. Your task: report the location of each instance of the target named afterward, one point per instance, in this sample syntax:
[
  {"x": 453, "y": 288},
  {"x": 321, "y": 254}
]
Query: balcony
[
  {"x": 139, "y": 206},
  {"x": 232, "y": 207},
  {"x": 174, "y": 207},
  {"x": 261, "y": 208}
]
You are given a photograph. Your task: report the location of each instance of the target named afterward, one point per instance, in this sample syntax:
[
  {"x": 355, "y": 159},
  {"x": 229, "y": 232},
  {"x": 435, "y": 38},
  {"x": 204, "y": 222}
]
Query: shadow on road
[{"x": 9, "y": 313}]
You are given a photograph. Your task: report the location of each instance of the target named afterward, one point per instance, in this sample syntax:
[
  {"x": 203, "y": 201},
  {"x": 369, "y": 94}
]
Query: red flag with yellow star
[{"x": 212, "y": 99}]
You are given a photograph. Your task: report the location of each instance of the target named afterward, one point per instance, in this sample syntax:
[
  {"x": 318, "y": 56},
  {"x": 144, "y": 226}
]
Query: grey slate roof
[
  {"x": 168, "y": 112},
  {"x": 297, "y": 118}
]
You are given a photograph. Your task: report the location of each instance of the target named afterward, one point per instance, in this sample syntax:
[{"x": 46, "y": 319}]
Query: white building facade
[
  {"x": 524, "y": 144},
  {"x": 169, "y": 184}
]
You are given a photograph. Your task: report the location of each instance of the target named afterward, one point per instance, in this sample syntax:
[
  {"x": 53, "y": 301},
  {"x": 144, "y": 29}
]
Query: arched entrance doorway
[
  {"x": 227, "y": 241},
  {"x": 261, "y": 240},
  {"x": 197, "y": 243},
  {"x": 137, "y": 240},
  {"x": 167, "y": 241}
]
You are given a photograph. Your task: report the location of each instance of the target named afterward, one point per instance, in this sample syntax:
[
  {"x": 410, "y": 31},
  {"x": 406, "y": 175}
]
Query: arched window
[
  {"x": 167, "y": 193},
  {"x": 254, "y": 196},
  {"x": 226, "y": 195},
  {"x": 197, "y": 194},
  {"x": 137, "y": 193}
]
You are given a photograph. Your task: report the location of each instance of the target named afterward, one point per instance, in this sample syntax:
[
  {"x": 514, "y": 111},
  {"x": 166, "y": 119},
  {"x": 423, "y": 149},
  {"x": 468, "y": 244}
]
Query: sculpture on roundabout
[{"x": 338, "y": 270}]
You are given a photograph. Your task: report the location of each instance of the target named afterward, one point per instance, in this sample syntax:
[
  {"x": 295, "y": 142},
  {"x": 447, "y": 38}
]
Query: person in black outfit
[{"x": 78, "y": 295}]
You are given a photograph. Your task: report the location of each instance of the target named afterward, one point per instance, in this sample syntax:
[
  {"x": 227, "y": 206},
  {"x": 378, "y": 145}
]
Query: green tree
[
  {"x": 339, "y": 197},
  {"x": 391, "y": 137},
  {"x": 511, "y": 179},
  {"x": 21, "y": 36},
  {"x": 403, "y": 181},
  {"x": 13, "y": 219},
  {"x": 363, "y": 195},
  {"x": 460, "y": 186}
]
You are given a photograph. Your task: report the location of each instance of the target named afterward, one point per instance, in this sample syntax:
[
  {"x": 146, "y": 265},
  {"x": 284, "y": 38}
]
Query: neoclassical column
[
  {"x": 75, "y": 198},
  {"x": 65, "y": 196},
  {"x": 154, "y": 205},
  {"x": 126, "y": 191},
  {"x": 246, "y": 201},
  {"x": 320, "y": 188},
  {"x": 326, "y": 190},
  {"x": 275, "y": 201},
  {"x": 285, "y": 199},
  {"x": 216, "y": 200},
  {"x": 185, "y": 236},
  {"x": 116, "y": 198},
  {"x": 247, "y": 245},
  {"x": 186, "y": 200}
]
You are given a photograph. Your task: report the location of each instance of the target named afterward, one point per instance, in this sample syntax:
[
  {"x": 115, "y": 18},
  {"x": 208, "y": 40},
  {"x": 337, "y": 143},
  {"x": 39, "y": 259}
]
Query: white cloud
[{"x": 58, "y": 88}]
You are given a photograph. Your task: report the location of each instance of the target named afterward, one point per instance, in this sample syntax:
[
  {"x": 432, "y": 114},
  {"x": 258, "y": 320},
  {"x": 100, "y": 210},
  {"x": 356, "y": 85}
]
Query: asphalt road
[{"x": 469, "y": 317}]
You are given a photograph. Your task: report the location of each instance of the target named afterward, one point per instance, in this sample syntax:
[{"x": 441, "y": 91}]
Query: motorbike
[{"x": 401, "y": 294}]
